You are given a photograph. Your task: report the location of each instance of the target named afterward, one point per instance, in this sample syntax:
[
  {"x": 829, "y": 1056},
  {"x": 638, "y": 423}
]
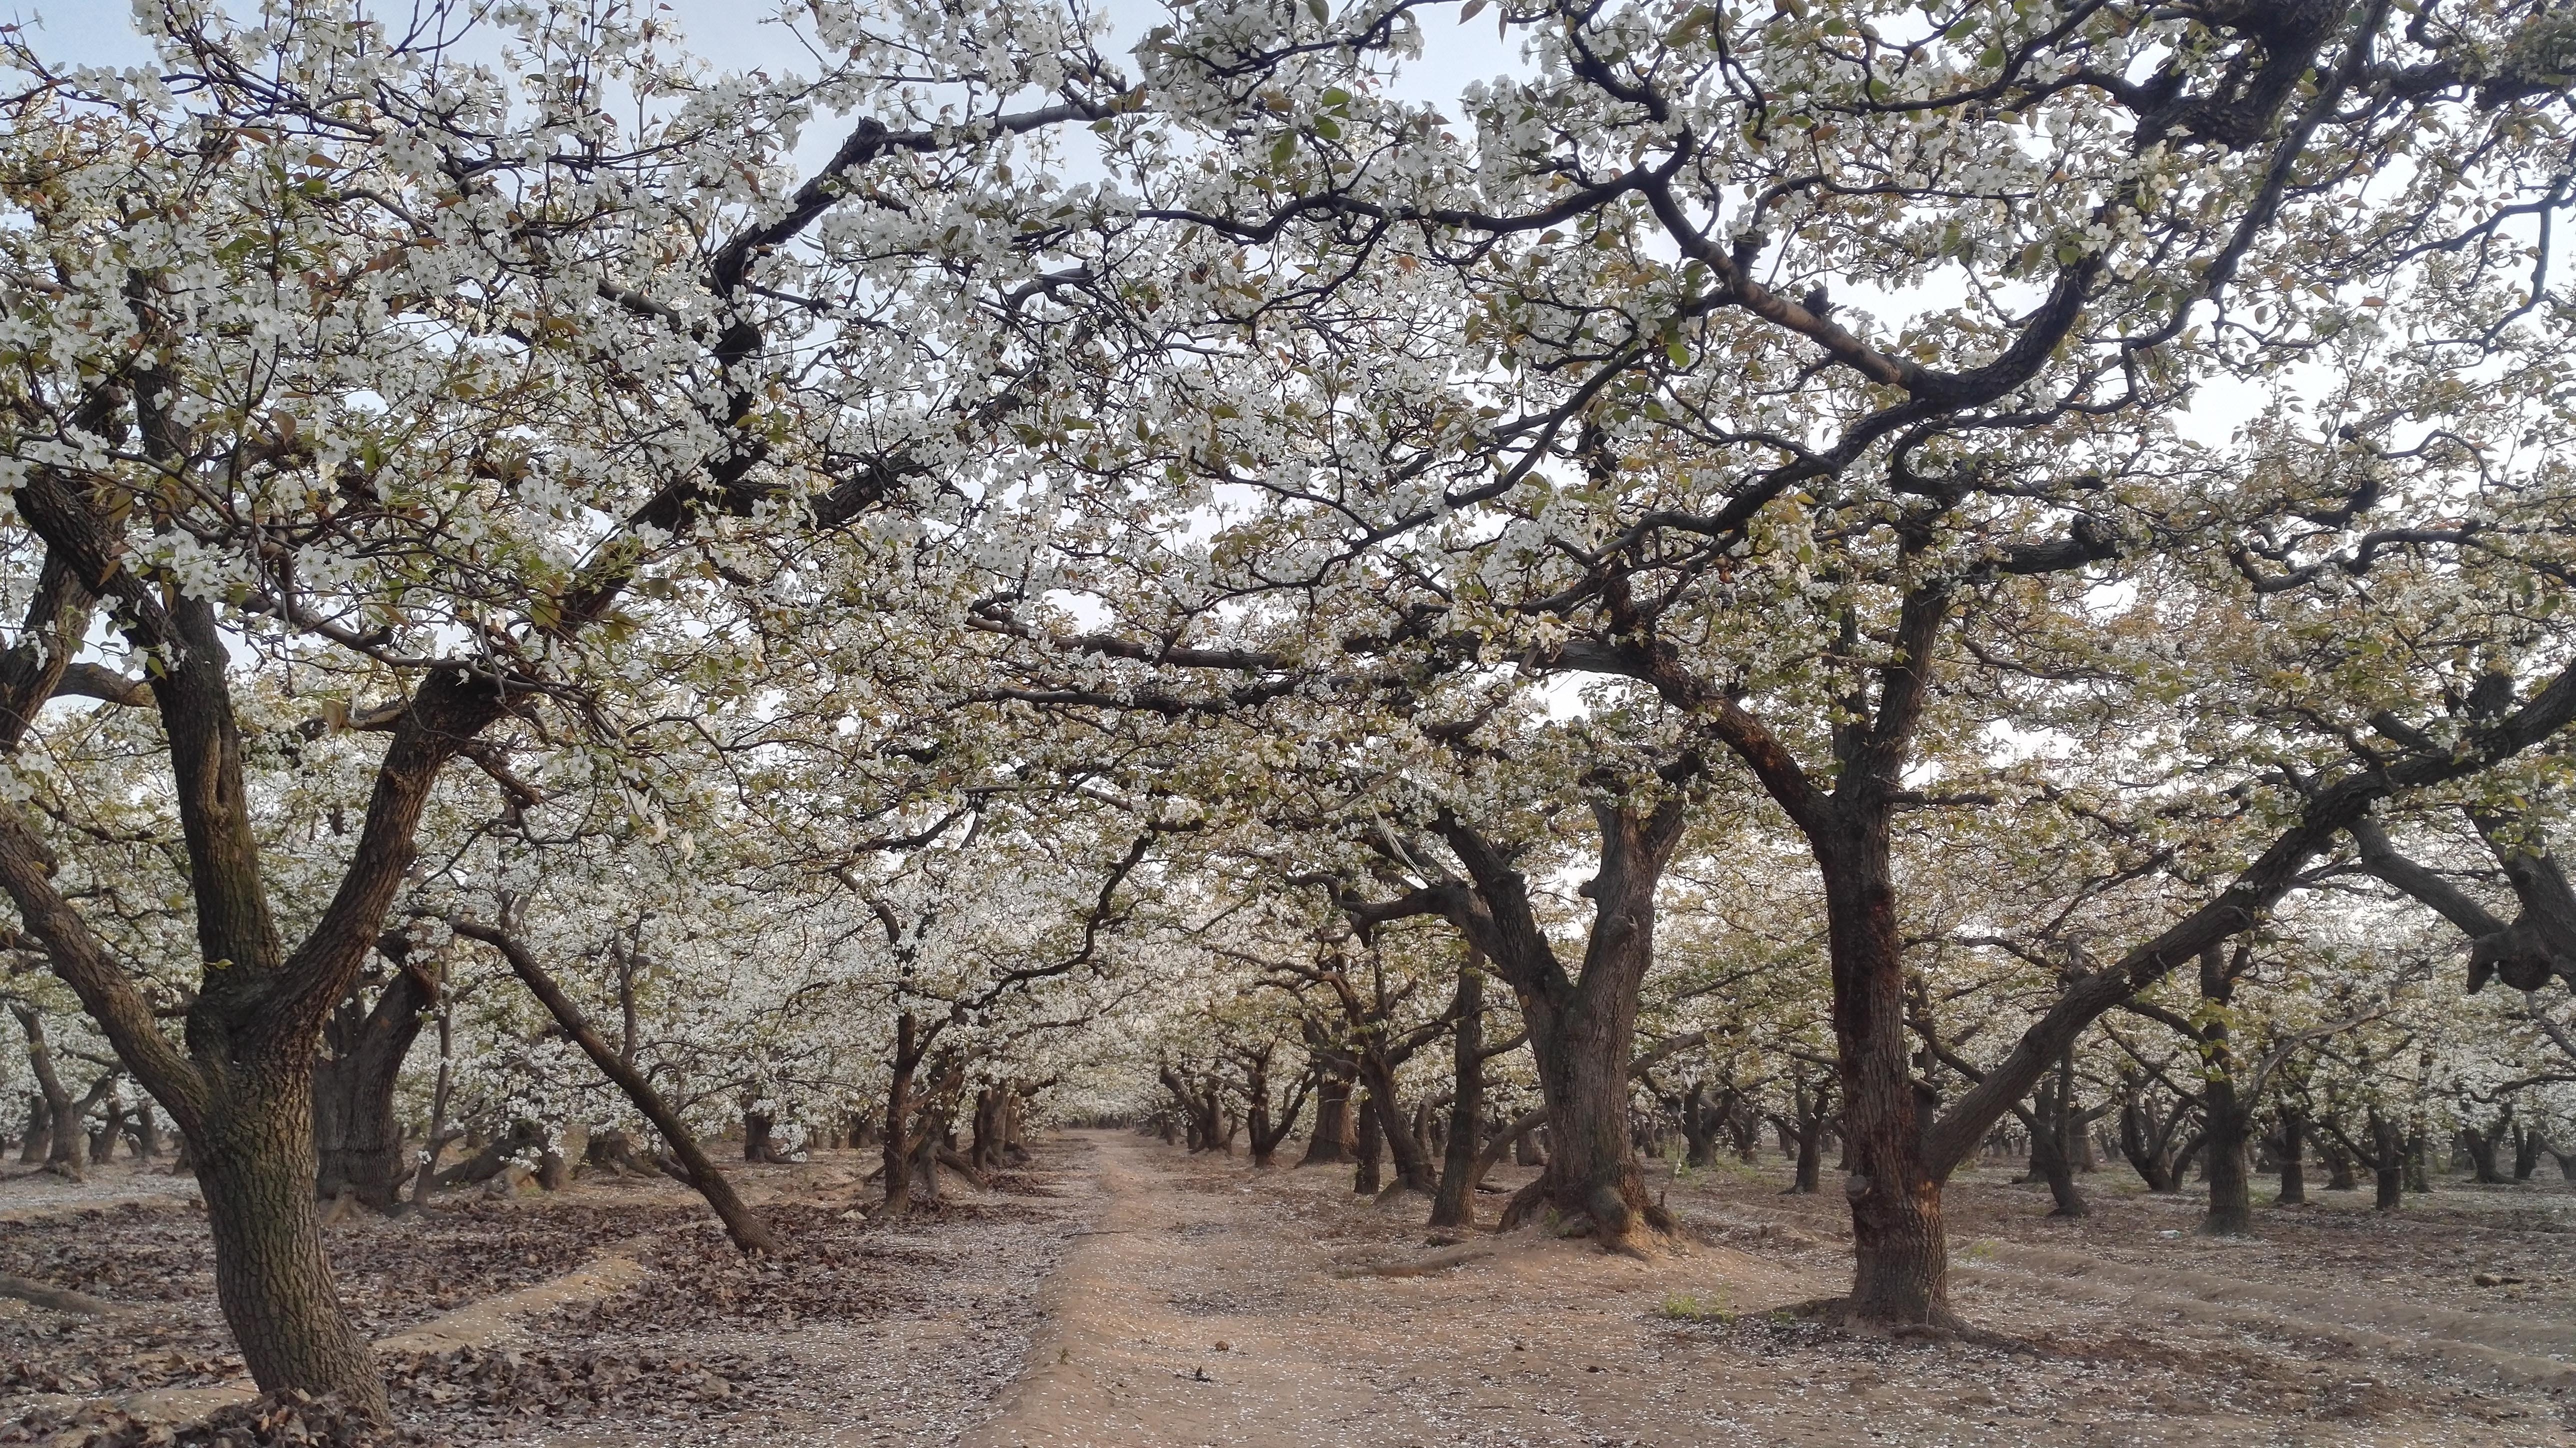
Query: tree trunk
[
  {"x": 1365, "y": 1180},
  {"x": 2388, "y": 1165},
  {"x": 2055, "y": 1127},
  {"x": 1582, "y": 1032},
  {"x": 2294, "y": 1167},
  {"x": 1809, "y": 1179},
  {"x": 1454, "y": 1205},
  {"x": 1902, "y": 1270},
  {"x": 1412, "y": 1163},
  {"x": 748, "y": 1231},
  {"x": 1700, "y": 1126},
  {"x": 2225, "y": 1126},
  {"x": 40, "y": 1130},
  {"x": 357, "y": 1142},
  {"x": 2339, "y": 1173},
  {"x": 2526, "y": 1153},
  {"x": 255, "y": 1168},
  {"x": 895, "y": 1152},
  {"x": 1330, "y": 1145},
  {"x": 2231, "y": 1190},
  {"x": 2482, "y": 1147}
]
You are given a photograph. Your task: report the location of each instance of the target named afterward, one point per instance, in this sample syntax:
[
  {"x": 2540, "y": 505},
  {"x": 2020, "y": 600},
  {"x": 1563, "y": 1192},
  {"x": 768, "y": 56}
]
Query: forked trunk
[
  {"x": 357, "y": 1143},
  {"x": 1592, "y": 1182},
  {"x": 1412, "y": 1163}
]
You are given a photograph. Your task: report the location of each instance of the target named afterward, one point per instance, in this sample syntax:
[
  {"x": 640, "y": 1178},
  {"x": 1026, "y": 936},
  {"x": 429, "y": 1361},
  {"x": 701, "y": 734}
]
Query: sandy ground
[
  {"x": 26, "y": 1193},
  {"x": 1216, "y": 1304},
  {"x": 1120, "y": 1292}
]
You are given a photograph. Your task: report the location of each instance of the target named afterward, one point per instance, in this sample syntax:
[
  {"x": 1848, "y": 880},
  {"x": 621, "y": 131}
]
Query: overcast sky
[{"x": 102, "y": 32}]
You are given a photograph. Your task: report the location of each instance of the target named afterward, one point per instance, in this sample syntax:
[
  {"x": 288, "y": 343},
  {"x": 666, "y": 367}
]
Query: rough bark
[
  {"x": 2226, "y": 1121},
  {"x": 1581, "y": 1031},
  {"x": 358, "y": 1145}
]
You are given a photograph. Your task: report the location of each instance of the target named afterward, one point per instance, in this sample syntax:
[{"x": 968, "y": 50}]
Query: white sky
[{"x": 723, "y": 32}]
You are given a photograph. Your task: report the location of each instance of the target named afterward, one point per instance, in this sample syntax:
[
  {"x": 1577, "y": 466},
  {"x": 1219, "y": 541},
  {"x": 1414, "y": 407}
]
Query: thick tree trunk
[
  {"x": 1592, "y": 1180},
  {"x": 255, "y": 1169},
  {"x": 2388, "y": 1165},
  {"x": 1330, "y": 1145},
  {"x": 2225, "y": 1123},
  {"x": 63, "y": 1136},
  {"x": 2526, "y": 1153},
  {"x": 1700, "y": 1127},
  {"x": 1808, "y": 1179},
  {"x": 2339, "y": 1172},
  {"x": 2231, "y": 1189},
  {"x": 2482, "y": 1147},
  {"x": 40, "y": 1130},
  {"x": 2294, "y": 1167},
  {"x": 1901, "y": 1274},
  {"x": 1454, "y": 1205},
  {"x": 358, "y": 1145},
  {"x": 1582, "y": 1032}
]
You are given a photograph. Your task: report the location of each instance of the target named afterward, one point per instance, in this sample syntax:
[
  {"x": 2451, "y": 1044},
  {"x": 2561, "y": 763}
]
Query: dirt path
[{"x": 1213, "y": 1304}]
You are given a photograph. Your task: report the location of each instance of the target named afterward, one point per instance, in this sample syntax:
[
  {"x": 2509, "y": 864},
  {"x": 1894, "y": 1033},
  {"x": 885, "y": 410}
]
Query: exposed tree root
[
  {"x": 1943, "y": 1326},
  {"x": 1533, "y": 1203},
  {"x": 55, "y": 1299}
]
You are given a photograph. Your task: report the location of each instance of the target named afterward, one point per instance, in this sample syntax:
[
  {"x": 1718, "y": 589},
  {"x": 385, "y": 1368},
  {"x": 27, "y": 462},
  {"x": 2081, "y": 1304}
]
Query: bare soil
[
  {"x": 1121, "y": 1292},
  {"x": 1217, "y": 1304}
]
